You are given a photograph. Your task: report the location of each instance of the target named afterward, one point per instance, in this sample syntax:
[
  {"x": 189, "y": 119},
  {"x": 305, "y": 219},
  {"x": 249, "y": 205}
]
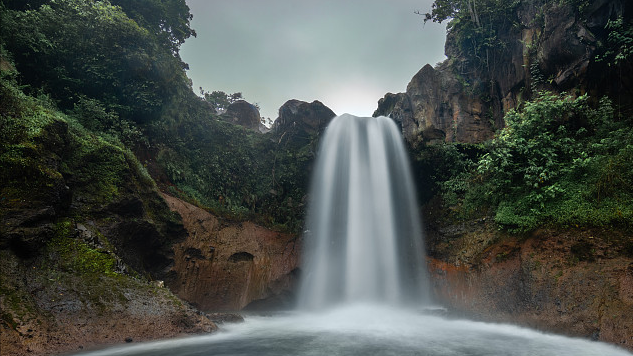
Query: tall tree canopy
[
  {"x": 75, "y": 48},
  {"x": 169, "y": 19}
]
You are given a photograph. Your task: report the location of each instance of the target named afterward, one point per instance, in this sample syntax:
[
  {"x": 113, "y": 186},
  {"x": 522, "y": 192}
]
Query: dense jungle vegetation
[
  {"x": 558, "y": 162},
  {"x": 111, "y": 72},
  {"x": 562, "y": 160}
]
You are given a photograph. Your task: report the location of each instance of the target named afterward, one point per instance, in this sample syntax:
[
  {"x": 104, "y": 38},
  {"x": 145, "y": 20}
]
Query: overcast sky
[{"x": 344, "y": 53}]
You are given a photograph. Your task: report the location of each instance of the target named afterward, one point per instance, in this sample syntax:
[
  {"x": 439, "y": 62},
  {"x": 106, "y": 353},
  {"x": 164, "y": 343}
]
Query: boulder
[
  {"x": 299, "y": 122},
  {"x": 244, "y": 114},
  {"x": 435, "y": 108}
]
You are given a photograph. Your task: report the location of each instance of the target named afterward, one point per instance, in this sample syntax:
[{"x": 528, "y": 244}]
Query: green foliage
[
  {"x": 558, "y": 161},
  {"x": 234, "y": 171},
  {"x": 619, "y": 46},
  {"x": 43, "y": 149},
  {"x": 74, "y": 255},
  {"x": 220, "y": 100},
  {"x": 443, "y": 168},
  {"x": 475, "y": 26},
  {"x": 78, "y": 49},
  {"x": 113, "y": 68},
  {"x": 167, "y": 19},
  {"x": 94, "y": 116}
]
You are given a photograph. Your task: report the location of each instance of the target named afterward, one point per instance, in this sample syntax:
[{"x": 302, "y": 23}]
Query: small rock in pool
[{"x": 128, "y": 339}]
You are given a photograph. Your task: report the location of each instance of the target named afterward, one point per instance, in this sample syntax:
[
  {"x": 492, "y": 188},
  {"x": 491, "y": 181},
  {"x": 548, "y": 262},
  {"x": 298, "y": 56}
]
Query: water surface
[{"x": 368, "y": 330}]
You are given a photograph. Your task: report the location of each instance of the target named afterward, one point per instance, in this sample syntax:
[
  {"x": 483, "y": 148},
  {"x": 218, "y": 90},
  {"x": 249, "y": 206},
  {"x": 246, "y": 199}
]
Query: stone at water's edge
[
  {"x": 48, "y": 312},
  {"x": 225, "y": 266},
  {"x": 545, "y": 282}
]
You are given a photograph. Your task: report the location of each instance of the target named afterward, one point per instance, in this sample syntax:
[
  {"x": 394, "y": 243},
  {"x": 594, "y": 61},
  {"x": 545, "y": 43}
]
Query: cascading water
[
  {"x": 364, "y": 245},
  {"x": 363, "y": 237}
]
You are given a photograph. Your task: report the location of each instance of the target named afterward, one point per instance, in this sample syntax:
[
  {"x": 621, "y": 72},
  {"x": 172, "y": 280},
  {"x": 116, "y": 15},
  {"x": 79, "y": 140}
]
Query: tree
[
  {"x": 475, "y": 25},
  {"x": 220, "y": 100},
  {"x": 76, "y": 47},
  {"x": 168, "y": 19}
]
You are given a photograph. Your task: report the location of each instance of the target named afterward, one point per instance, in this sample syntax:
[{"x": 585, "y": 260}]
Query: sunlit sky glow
[{"x": 344, "y": 53}]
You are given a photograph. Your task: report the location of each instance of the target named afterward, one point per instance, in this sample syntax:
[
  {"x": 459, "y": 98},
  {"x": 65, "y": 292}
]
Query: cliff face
[
  {"x": 229, "y": 265},
  {"x": 80, "y": 224},
  {"x": 571, "y": 281},
  {"x": 547, "y": 45},
  {"x": 576, "y": 282}
]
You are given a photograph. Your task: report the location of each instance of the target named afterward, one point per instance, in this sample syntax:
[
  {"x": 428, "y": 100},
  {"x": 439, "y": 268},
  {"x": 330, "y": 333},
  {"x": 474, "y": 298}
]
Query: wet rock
[
  {"x": 241, "y": 257},
  {"x": 221, "y": 318},
  {"x": 539, "y": 281},
  {"x": 130, "y": 206}
]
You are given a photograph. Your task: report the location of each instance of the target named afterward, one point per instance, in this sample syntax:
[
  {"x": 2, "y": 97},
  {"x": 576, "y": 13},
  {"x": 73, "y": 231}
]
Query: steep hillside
[
  {"x": 96, "y": 116},
  {"x": 83, "y": 232}
]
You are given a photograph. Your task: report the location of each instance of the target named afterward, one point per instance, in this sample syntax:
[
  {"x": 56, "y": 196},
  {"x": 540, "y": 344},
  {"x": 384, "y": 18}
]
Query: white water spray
[{"x": 363, "y": 239}]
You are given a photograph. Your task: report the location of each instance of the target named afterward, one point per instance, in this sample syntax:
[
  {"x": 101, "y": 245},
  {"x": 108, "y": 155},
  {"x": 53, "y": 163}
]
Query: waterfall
[
  {"x": 364, "y": 264},
  {"x": 363, "y": 241}
]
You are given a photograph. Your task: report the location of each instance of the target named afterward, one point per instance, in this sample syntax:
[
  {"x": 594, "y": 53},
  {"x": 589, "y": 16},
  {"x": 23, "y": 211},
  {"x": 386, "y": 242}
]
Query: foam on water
[{"x": 369, "y": 329}]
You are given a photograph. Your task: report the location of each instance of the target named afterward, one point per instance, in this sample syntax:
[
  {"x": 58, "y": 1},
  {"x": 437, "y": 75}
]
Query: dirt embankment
[{"x": 577, "y": 282}]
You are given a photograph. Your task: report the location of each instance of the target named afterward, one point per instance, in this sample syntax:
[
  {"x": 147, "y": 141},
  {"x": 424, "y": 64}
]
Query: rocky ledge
[{"x": 49, "y": 312}]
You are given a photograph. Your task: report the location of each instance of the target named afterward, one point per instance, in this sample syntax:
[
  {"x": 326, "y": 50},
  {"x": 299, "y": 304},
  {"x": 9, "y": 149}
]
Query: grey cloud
[{"x": 276, "y": 50}]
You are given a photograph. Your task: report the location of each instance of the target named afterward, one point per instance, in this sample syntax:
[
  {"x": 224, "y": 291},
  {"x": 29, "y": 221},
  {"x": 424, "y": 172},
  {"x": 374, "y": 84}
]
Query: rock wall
[
  {"x": 46, "y": 311},
  {"x": 225, "y": 265},
  {"x": 548, "y": 45},
  {"x": 576, "y": 283}
]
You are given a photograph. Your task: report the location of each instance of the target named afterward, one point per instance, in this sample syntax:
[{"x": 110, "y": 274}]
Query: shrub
[{"x": 558, "y": 161}]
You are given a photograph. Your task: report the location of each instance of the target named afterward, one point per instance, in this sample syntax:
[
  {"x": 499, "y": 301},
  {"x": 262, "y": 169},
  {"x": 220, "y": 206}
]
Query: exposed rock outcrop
[
  {"x": 47, "y": 312},
  {"x": 436, "y": 107},
  {"x": 244, "y": 114},
  {"x": 548, "y": 45},
  {"x": 225, "y": 266},
  {"x": 575, "y": 282},
  {"x": 299, "y": 122}
]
